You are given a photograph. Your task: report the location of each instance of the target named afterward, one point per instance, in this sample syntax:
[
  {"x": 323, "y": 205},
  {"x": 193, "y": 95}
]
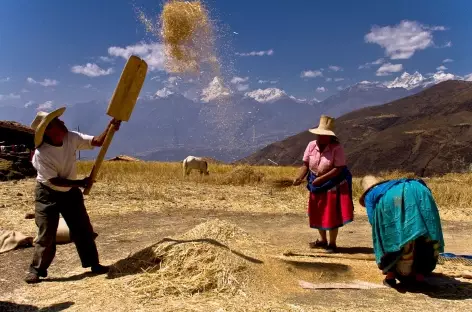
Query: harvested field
[{"x": 235, "y": 240}]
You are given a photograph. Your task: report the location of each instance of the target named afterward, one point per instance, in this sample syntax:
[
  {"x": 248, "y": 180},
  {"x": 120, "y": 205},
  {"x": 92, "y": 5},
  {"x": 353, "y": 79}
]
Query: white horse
[{"x": 191, "y": 162}]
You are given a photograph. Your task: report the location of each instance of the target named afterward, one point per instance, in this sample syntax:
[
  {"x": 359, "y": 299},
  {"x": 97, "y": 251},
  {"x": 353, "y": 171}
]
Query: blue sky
[{"x": 51, "y": 42}]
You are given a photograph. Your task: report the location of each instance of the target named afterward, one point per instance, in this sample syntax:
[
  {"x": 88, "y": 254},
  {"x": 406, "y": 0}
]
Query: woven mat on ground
[{"x": 453, "y": 258}]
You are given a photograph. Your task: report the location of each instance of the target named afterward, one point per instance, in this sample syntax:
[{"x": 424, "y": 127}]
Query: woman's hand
[
  {"x": 317, "y": 182},
  {"x": 297, "y": 182}
]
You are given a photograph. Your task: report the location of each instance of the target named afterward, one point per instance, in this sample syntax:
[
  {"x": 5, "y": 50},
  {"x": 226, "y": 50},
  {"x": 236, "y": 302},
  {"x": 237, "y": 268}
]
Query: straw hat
[
  {"x": 326, "y": 126},
  {"x": 368, "y": 182},
  {"x": 41, "y": 121}
]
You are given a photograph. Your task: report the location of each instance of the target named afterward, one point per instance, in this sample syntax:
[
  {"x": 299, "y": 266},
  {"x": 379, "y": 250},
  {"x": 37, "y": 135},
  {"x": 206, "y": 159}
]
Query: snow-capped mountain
[
  {"x": 366, "y": 86},
  {"x": 407, "y": 81},
  {"x": 268, "y": 95},
  {"x": 167, "y": 123},
  {"x": 164, "y": 93},
  {"x": 298, "y": 100},
  {"x": 417, "y": 80},
  {"x": 438, "y": 77},
  {"x": 360, "y": 95},
  {"x": 215, "y": 91},
  {"x": 271, "y": 95}
]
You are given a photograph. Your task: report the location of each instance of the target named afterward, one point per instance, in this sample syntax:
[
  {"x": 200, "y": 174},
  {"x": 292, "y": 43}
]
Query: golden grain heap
[
  {"x": 187, "y": 36},
  {"x": 201, "y": 260}
]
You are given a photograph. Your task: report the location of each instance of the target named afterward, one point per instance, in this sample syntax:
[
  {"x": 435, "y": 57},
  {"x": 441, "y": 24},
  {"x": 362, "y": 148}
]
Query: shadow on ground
[
  {"x": 146, "y": 260},
  {"x": 440, "y": 286},
  {"x": 6, "y": 306},
  {"x": 72, "y": 278}
]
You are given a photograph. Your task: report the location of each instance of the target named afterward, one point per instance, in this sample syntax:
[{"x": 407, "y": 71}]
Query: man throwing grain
[{"x": 57, "y": 192}]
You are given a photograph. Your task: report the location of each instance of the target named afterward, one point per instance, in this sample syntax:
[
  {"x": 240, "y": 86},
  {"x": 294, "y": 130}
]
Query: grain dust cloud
[{"x": 198, "y": 49}]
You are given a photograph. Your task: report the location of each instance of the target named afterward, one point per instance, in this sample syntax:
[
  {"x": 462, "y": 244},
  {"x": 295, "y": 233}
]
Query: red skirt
[{"x": 332, "y": 209}]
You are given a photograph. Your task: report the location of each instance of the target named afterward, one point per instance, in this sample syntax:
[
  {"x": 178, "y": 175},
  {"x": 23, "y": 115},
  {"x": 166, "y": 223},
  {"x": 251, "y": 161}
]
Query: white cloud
[
  {"x": 91, "y": 70},
  {"x": 268, "y": 81},
  {"x": 340, "y": 88},
  {"x": 447, "y": 44},
  {"x": 437, "y": 28},
  {"x": 321, "y": 89},
  {"x": 266, "y": 95},
  {"x": 45, "y": 106},
  {"x": 403, "y": 40},
  {"x": 11, "y": 96},
  {"x": 45, "y": 83},
  {"x": 215, "y": 91},
  {"x": 29, "y": 104},
  {"x": 164, "y": 92},
  {"x": 338, "y": 79},
  {"x": 468, "y": 77},
  {"x": 311, "y": 74},
  {"x": 152, "y": 54},
  {"x": 157, "y": 78},
  {"x": 106, "y": 59},
  {"x": 242, "y": 87},
  {"x": 335, "y": 68},
  {"x": 388, "y": 68},
  {"x": 257, "y": 53},
  {"x": 329, "y": 79},
  {"x": 442, "y": 76},
  {"x": 441, "y": 68},
  {"x": 448, "y": 60},
  {"x": 87, "y": 86},
  {"x": 369, "y": 65},
  {"x": 24, "y": 90},
  {"x": 237, "y": 79},
  {"x": 239, "y": 82},
  {"x": 6, "y": 79}
]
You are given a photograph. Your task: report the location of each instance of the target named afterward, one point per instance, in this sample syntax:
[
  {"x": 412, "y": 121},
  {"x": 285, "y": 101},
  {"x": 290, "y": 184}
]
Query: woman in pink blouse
[{"x": 330, "y": 203}]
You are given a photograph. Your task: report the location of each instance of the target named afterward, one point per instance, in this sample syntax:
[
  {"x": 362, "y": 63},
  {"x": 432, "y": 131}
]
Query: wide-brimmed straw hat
[
  {"x": 367, "y": 183},
  {"x": 326, "y": 126},
  {"x": 40, "y": 123}
]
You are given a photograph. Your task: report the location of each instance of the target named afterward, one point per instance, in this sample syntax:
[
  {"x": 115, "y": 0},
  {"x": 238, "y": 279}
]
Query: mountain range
[
  {"x": 427, "y": 133},
  {"x": 222, "y": 124}
]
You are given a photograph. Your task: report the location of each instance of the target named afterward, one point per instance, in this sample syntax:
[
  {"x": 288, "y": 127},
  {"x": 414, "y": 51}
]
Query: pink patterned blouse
[{"x": 320, "y": 163}]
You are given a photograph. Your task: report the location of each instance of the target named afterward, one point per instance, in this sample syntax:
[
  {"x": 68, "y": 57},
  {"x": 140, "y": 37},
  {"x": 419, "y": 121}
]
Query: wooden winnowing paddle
[{"x": 121, "y": 105}]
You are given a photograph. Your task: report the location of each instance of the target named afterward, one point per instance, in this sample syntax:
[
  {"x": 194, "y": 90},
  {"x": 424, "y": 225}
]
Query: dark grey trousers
[{"x": 48, "y": 205}]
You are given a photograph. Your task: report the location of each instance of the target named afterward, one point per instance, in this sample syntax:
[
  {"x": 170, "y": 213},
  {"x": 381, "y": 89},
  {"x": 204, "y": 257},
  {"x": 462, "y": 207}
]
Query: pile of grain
[
  {"x": 201, "y": 260},
  {"x": 187, "y": 36},
  {"x": 243, "y": 175},
  {"x": 124, "y": 158}
]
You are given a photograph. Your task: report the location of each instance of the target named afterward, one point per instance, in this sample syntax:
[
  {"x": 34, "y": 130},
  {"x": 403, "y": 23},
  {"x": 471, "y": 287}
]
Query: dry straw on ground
[
  {"x": 451, "y": 191},
  {"x": 203, "y": 259}
]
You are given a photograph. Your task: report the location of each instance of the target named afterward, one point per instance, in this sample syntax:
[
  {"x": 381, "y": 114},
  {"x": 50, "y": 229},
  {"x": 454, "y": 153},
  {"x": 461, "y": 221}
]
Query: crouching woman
[{"x": 406, "y": 228}]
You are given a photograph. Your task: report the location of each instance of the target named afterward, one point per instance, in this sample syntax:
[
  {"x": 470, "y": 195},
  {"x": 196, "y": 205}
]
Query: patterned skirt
[{"x": 416, "y": 257}]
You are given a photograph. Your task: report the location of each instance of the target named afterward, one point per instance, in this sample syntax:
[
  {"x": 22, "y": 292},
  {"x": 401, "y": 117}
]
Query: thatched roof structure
[{"x": 14, "y": 133}]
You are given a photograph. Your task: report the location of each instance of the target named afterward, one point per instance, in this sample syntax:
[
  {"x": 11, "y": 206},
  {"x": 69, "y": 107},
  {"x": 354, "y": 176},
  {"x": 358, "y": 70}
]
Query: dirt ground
[{"x": 128, "y": 220}]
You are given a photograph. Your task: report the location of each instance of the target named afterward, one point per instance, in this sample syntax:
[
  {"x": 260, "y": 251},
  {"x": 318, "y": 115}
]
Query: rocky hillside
[{"x": 427, "y": 133}]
